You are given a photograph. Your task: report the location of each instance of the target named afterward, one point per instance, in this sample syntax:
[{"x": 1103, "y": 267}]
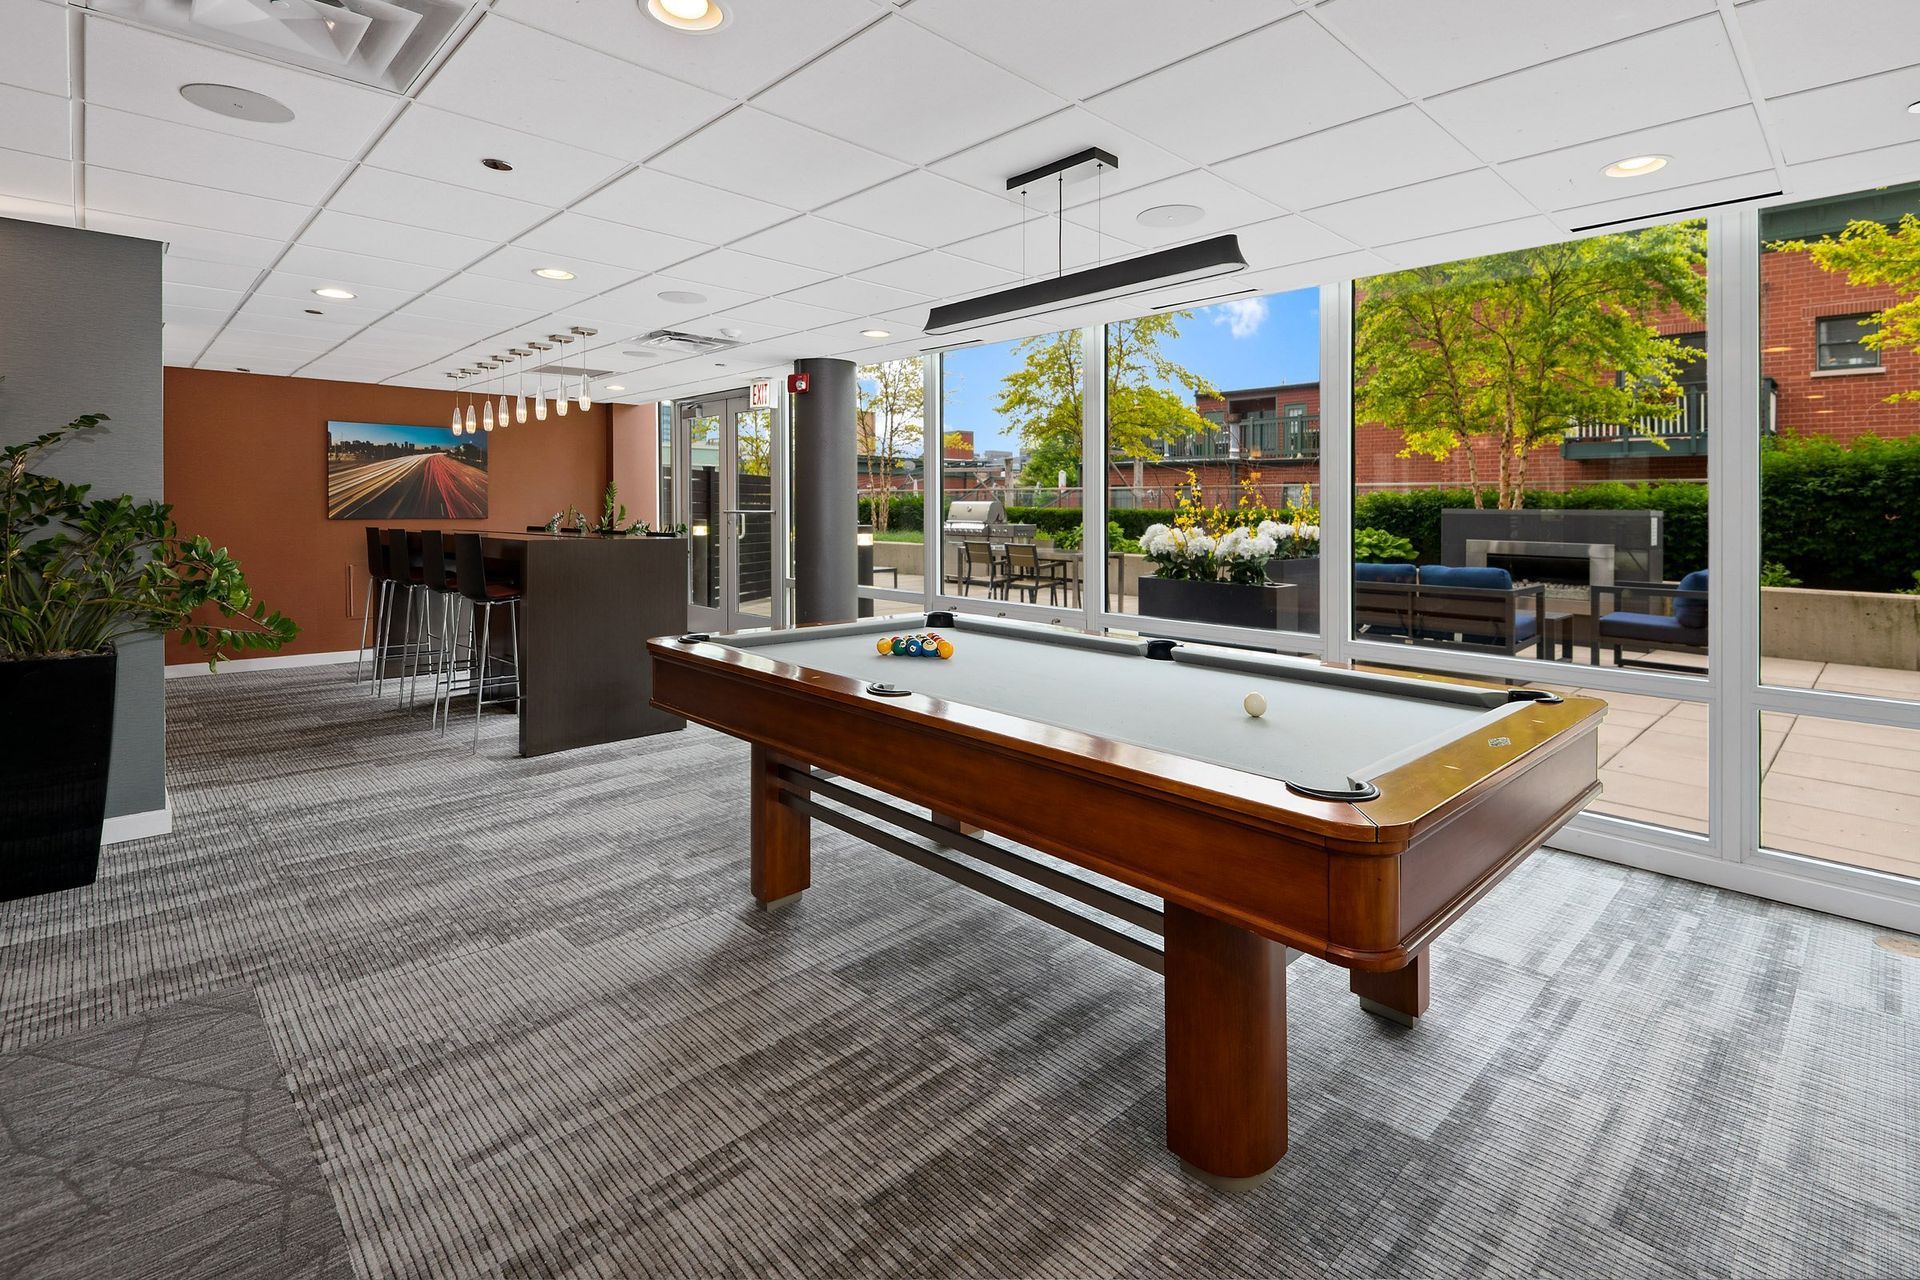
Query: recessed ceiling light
[
  {"x": 236, "y": 103},
  {"x": 683, "y": 296},
  {"x": 875, "y": 333},
  {"x": 553, "y": 273},
  {"x": 1169, "y": 215},
  {"x": 333, "y": 291},
  {"x": 613, "y": 386},
  {"x": 1913, "y": 108},
  {"x": 498, "y": 166},
  {"x": 1636, "y": 166},
  {"x": 315, "y": 311},
  {"x": 694, "y": 16}
]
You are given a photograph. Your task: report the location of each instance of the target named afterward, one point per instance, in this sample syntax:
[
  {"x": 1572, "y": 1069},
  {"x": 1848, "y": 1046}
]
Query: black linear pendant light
[{"x": 1182, "y": 264}]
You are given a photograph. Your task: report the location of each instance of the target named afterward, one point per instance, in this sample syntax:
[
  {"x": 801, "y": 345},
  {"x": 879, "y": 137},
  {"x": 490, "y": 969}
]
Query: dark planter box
[
  {"x": 55, "y": 797},
  {"x": 1302, "y": 612},
  {"x": 1224, "y": 604}
]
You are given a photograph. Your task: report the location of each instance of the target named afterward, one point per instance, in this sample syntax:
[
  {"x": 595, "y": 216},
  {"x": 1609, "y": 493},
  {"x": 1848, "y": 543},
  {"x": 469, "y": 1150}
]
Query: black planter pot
[
  {"x": 1225, "y": 604},
  {"x": 1302, "y": 613},
  {"x": 54, "y": 797}
]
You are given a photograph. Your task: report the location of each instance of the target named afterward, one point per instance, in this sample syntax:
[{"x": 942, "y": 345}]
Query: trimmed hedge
[{"x": 1844, "y": 519}]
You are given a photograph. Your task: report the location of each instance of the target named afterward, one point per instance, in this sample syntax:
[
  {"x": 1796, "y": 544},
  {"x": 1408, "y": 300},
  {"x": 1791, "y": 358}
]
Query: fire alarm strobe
[{"x": 798, "y": 383}]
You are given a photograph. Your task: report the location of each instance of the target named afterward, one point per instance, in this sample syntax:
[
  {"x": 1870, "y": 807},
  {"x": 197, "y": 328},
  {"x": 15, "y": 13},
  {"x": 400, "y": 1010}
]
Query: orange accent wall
[{"x": 246, "y": 465}]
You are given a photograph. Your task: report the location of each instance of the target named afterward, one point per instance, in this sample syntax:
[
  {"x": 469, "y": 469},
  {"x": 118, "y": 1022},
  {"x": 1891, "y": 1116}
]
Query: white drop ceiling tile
[
  {"x": 207, "y": 158},
  {"x": 140, "y": 196},
  {"x": 447, "y": 148},
  {"x": 939, "y": 275},
  {"x": 661, "y": 202},
  {"x": 175, "y": 269},
  {"x": 277, "y": 318},
  {"x": 920, "y": 97},
  {"x": 1879, "y": 167},
  {"x": 1282, "y": 241},
  {"x": 1792, "y": 47},
  {"x": 988, "y": 165},
  {"x": 764, "y": 39},
  {"x": 41, "y": 179},
  {"x": 1425, "y": 208},
  {"x": 34, "y": 53},
  {"x": 200, "y": 296},
  {"x": 1389, "y": 150},
  {"x": 405, "y": 197},
  {"x": 413, "y": 326},
  {"x": 192, "y": 242},
  {"x": 1074, "y": 48},
  {"x": 569, "y": 235},
  {"x": 137, "y": 70},
  {"x": 924, "y": 209},
  {"x": 831, "y": 247},
  {"x": 780, "y": 314},
  {"x": 528, "y": 80},
  {"x": 1473, "y": 242},
  {"x": 727, "y": 325},
  {"x": 37, "y": 211},
  {"x": 750, "y": 152},
  {"x": 746, "y": 272},
  {"x": 528, "y": 294},
  {"x": 1682, "y": 71},
  {"x": 1427, "y": 48},
  {"x": 855, "y": 296},
  {"x": 452, "y": 306},
  {"x": 1311, "y": 81},
  {"x": 517, "y": 263},
  {"x": 1704, "y": 148},
  {"x": 181, "y": 313},
  {"x": 1673, "y": 203},
  {"x": 1843, "y": 118},
  {"x": 352, "y": 270},
  {"x": 1223, "y": 207},
  {"x": 351, "y": 233},
  {"x": 36, "y": 122},
  {"x": 644, "y": 297},
  {"x": 1041, "y": 246}
]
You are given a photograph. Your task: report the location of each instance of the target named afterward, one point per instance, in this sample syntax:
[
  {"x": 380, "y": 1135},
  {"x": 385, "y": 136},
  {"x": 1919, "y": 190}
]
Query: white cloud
[{"x": 1243, "y": 316}]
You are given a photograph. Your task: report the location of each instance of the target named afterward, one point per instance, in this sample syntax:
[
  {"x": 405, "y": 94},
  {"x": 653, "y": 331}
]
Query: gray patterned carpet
[{"x": 530, "y": 1026}]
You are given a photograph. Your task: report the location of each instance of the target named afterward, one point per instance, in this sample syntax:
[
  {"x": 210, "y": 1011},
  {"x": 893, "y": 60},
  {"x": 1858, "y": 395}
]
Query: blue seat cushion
[
  {"x": 1691, "y": 611},
  {"x": 1654, "y": 628},
  {"x": 1525, "y": 627},
  {"x": 1367, "y": 572},
  {"x": 1485, "y": 579}
]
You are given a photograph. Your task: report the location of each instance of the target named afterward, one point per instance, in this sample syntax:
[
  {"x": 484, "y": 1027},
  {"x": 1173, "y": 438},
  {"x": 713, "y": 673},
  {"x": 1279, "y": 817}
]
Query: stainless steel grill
[{"x": 984, "y": 520}]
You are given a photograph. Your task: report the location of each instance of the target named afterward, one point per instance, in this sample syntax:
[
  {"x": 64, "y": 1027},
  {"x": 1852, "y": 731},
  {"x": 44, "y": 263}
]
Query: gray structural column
[{"x": 824, "y": 482}]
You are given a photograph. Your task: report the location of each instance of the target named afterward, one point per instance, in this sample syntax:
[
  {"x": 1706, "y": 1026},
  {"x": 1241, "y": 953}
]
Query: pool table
[{"x": 1354, "y": 821}]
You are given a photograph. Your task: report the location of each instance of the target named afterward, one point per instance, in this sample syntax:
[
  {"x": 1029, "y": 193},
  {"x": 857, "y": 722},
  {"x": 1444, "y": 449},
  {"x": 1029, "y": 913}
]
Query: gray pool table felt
[{"x": 1313, "y": 734}]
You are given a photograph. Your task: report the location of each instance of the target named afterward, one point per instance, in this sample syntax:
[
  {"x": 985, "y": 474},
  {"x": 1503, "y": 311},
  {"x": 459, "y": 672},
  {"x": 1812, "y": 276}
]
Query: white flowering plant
[{"x": 1214, "y": 544}]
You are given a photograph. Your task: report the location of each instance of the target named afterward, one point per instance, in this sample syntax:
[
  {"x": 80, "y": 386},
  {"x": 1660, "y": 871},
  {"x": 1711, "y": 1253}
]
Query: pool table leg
[
  {"x": 781, "y": 839},
  {"x": 1226, "y": 1001},
  {"x": 1400, "y": 995}
]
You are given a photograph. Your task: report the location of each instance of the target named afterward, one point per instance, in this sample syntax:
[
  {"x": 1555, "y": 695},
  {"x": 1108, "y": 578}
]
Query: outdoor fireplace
[
  {"x": 1567, "y": 546},
  {"x": 1583, "y": 564}
]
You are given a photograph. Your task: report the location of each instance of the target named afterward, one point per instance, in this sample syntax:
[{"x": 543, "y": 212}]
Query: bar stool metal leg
[{"x": 484, "y": 656}]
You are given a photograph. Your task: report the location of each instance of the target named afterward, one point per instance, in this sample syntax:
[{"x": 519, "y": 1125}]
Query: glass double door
[{"x": 734, "y": 498}]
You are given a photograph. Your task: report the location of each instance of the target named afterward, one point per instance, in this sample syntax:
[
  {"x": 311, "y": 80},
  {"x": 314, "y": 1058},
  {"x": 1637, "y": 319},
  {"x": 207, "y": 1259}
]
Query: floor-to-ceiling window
[
  {"x": 1211, "y": 465},
  {"x": 1839, "y": 524},
  {"x": 890, "y": 482}
]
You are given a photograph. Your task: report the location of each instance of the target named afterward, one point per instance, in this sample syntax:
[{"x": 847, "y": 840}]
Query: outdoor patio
[{"x": 1830, "y": 789}]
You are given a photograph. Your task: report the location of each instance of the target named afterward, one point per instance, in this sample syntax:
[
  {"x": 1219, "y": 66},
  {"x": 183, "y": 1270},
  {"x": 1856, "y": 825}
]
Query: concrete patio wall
[{"x": 1859, "y": 628}]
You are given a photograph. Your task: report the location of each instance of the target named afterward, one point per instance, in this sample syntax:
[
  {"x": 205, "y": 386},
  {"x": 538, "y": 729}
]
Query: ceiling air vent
[
  {"x": 384, "y": 43},
  {"x": 678, "y": 343}
]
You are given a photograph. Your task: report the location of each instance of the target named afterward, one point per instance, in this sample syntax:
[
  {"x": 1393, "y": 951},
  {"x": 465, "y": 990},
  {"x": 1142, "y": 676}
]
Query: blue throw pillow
[
  {"x": 1691, "y": 611},
  {"x": 1442, "y": 575},
  {"x": 1368, "y": 572}
]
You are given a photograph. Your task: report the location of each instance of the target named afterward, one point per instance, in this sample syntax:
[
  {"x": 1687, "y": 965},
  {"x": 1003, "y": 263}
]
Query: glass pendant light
[
  {"x": 560, "y": 401},
  {"x": 486, "y": 413},
  {"x": 473, "y": 420},
  {"x": 519, "y": 386},
  {"x": 539, "y": 398},
  {"x": 586, "y": 396}
]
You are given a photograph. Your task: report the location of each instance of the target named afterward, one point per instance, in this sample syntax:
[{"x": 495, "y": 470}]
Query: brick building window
[{"x": 1841, "y": 345}]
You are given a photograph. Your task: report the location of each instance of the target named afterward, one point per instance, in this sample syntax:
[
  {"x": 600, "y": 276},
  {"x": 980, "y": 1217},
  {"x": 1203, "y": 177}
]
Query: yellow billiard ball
[
  {"x": 884, "y": 646},
  {"x": 1256, "y": 705},
  {"x": 946, "y": 648}
]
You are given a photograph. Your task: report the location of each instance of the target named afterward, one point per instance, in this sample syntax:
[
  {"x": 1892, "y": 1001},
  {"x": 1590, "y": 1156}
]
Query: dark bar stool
[
  {"x": 403, "y": 568},
  {"x": 436, "y": 576},
  {"x": 374, "y": 609},
  {"x": 482, "y": 598}
]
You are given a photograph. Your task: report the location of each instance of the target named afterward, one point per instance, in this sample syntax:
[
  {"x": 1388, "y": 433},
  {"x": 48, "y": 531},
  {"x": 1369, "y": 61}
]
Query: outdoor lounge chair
[
  {"x": 1684, "y": 630},
  {"x": 1470, "y": 607}
]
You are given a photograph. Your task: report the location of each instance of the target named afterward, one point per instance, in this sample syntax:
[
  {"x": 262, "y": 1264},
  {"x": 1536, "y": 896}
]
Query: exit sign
[{"x": 761, "y": 394}]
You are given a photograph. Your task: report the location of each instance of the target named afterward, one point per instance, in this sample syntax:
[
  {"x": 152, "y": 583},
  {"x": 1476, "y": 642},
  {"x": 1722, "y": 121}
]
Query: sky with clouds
[{"x": 1246, "y": 342}]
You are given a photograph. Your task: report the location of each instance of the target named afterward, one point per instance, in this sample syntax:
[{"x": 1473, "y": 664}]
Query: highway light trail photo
[{"x": 380, "y": 471}]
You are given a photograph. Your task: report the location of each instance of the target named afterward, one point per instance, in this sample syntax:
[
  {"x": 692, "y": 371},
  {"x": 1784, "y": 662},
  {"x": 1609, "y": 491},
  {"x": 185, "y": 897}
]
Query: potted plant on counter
[{"x": 77, "y": 574}]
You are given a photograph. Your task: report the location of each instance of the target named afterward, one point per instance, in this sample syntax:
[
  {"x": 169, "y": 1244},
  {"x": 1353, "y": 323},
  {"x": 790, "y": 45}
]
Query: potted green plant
[{"x": 77, "y": 574}]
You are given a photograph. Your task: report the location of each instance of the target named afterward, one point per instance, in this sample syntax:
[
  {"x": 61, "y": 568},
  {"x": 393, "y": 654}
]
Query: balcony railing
[
  {"x": 1252, "y": 438},
  {"x": 1682, "y": 435}
]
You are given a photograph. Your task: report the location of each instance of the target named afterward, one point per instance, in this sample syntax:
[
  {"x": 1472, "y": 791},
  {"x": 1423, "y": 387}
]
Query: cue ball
[{"x": 1256, "y": 705}]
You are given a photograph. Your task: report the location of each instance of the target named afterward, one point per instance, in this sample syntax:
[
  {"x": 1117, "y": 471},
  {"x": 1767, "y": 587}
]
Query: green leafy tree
[
  {"x": 1149, "y": 396},
  {"x": 892, "y": 398},
  {"x": 1518, "y": 348},
  {"x": 1872, "y": 253}
]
